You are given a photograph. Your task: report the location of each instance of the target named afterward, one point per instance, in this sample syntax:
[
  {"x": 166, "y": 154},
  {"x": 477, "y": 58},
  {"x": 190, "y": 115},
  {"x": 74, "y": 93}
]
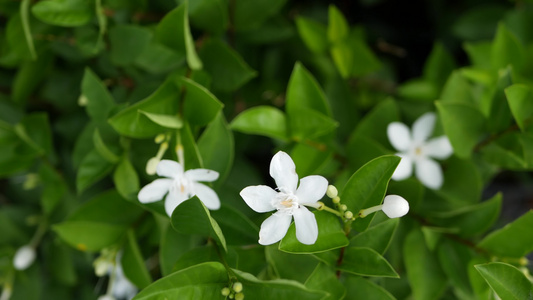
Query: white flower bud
[
  {"x": 106, "y": 297},
  {"x": 151, "y": 165},
  {"x": 395, "y": 206},
  {"x": 332, "y": 191},
  {"x": 24, "y": 257}
]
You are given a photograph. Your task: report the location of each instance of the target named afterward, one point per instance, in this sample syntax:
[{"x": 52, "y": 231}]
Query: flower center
[
  {"x": 285, "y": 202},
  {"x": 182, "y": 186}
]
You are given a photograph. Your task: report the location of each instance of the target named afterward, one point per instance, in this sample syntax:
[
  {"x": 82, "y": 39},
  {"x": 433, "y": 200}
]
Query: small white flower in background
[
  {"x": 122, "y": 288},
  {"x": 106, "y": 297},
  {"x": 288, "y": 201},
  {"x": 24, "y": 257},
  {"x": 415, "y": 149},
  {"x": 393, "y": 206},
  {"x": 180, "y": 186},
  {"x": 108, "y": 263}
]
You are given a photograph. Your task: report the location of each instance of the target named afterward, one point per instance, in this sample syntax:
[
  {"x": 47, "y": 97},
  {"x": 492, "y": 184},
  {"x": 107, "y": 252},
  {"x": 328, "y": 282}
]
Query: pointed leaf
[
  {"x": 507, "y": 281},
  {"x": 89, "y": 236},
  {"x": 263, "y": 120},
  {"x": 513, "y": 240},
  {"x": 133, "y": 263},
  {"x": 200, "y": 106},
  {"x": 377, "y": 237},
  {"x": 520, "y": 100},
  {"x": 366, "y": 262},
  {"x": 303, "y": 91}
]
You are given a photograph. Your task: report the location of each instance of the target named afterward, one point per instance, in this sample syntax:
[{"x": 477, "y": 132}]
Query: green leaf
[
  {"x": 92, "y": 169},
  {"x": 226, "y": 66},
  {"x": 439, "y": 65},
  {"x": 453, "y": 257},
  {"x": 167, "y": 121},
  {"x": 324, "y": 278},
  {"x": 210, "y": 15},
  {"x": 173, "y": 31},
  {"x": 366, "y": 262},
  {"x": 127, "y": 43},
  {"x": 34, "y": 129},
  {"x": 462, "y": 182},
  {"x": 102, "y": 149},
  {"x": 157, "y": 58},
  {"x": 480, "y": 287},
  {"x": 308, "y": 123},
  {"x": 192, "y": 217},
  {"x": 303, "y": 91},
  {"x": 262, "y": 120},
  {"x": 507, "y": 281},
  {"x": 309, "y": 158},
  {"x": 289, "y": 266},
  {"x": 377, "y": 237},
  {"x": 367, "y": 187},
  {"x": 361, "y": 288},
  {"x": 426, "y": 278},
  {"x": 494, "y": 105},
  {"x": 200, "y": 106},
  {"x": 237, "y": 228},
  {"x": 25, "y": 20},
  {"x": 29, "y": 76},
  {"x": 67, "y": 13},
  {"x": 131, "y": 122},
  {"x": 313, "y": 34},
  {"x": 249, "y": 15},
  {"x": 203, "y": 281},
  {"x": 133, "y": 263},
  {"x": 60, "y": 264},
  {"x": 418, "y": 89},
  {"x": 89, "y": 236},
  {"x": 513, "y": 240},
  {"x": 54, "y": 188},
  {"x": 99, "y": 101},
  {"x": 353, "y": 57},
  {"x": 506, "y": 50},
  {"x": 479, "y": 54},
  {"x": 520, "y": 100},
  {"x": 330, "y": 236},
  {"x": 463, "y": 125},
  {"x": 216, "y": 147},
  {"x": 126, "y": 179},
  {"x": 458, "y": 90},
  {"x": 338, "y": 28}
]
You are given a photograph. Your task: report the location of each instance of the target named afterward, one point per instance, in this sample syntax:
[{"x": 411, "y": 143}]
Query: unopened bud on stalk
[
  {"x": 332, "y": 191},
  {"x": 24, "y": 257},
  {"x": 237, "y": 287},
  {"x": 225, "y": 292}
]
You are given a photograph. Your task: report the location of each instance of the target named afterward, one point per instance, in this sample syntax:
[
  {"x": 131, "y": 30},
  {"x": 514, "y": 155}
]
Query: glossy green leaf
[
  {"x": 200, "y": 105},
  {"x": 302, "y": 266},
  {"x": 463, "y": 124},
  {"x": 507, "y": 281},
  {"x": 131, "y": 122},
  {"x": 127, "y": 43},
  {"x": 216, "y": 147},
  {"x": 25, "y": 20},
  {"x": 192, "y": 217},
  {"x": 418, "y": 89},
  {"x": 237, "y": 228},
  {"x": 457, "y": 90},
  {"x": 249, "y": 14},
  {"x": 494, "y": 106},
  {"x": 126, "y": 179},
  {"x": 313, "y": 34},
  {"x": 60, "y": 263},
  {"x": 462, "y": 182},
  {"x": 226, "y": 66},
  {"x": 133, "y": 263},
  {"x": 427, "y": 280},
  {"x": 263, "y": 120},
  {"x": 506, "y": 50},
  {"x": 28, "y": 78},
  {"x": 439, "y": 65},
  {"x": 366, "y": 262},
  {"x": 330, "y": 236},
  {"x": 54, "y": 188},
  {"x": 520, "y": 100},
  {"x": 453, "y": 257},
  {"x": 310, "y": 157},
  {"x": 367, "y": 187},
  {"x": 480, "y": 287},
  {"x": 337, "y": 27},
  {"x": 92, "y": 169},
  {"x": 89, "y": 236},
  {"x": 167, "y": 121},
  {"x": 99, "y": 101},
  {"x": 513, "y": 240},
  {"x": 324, "y": 278},
  {"x": 374, "y": 124},
  {"x": 303, "y": 91},
  {"x": 191, "y": 153},
  {"x": 34, "y": 129},
  {"x": 362, "y": 149},
  {"x": 67, "y": 13},
  {"x": 102, "y": 149},
  {"x": 157, "y": 58},
  {"x": 211, "y": 15},
  {"x": 353, "y": 57},
  {"x": 377, "y": 237},
  {"x": 361, "y": 288},
  {"x": 306, "y": 123}
]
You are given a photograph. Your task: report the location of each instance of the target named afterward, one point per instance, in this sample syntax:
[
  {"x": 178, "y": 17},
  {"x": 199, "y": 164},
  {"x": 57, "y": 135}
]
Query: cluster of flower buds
[{"x": 235, "y": 292}]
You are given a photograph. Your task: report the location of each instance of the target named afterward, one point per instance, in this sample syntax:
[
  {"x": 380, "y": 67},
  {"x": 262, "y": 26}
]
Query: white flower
[
  {"x": 393, "y": 206},
  {"x": 415, "y": 149},
  {"x": 180, "y": 186},
  {"x": 24, "y": 257},
  {"x": 288, "y": 201},
  {"x": 106, "y": 297},
  {"x": 122, "y": 288}
]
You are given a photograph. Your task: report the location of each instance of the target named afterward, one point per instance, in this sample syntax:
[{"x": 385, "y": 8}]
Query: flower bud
[
  {"x": 239, "y": 296},
  {"x": 348, "y": 215},
  {"x": 395, "y": 206},
  {"x": 225, "y": 292},
  {"x": 151, "y": 165},
  {"x": 159, "y": 138},
  {"x": 237, "y": 287},
  {"x": 106, "y": 297},
  {"x": 83, "y": 101},
  {"x": 332, "y": 191},
  {"x": 336, "y": 200},
  {"x": 343, "y": 207},
  {"x": 24, "y": 257}
]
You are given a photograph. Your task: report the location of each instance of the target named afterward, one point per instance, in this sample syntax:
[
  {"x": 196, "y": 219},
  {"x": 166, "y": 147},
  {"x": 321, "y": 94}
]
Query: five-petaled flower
[
  {"x": 415, "y": 149},
  {"x": 180, "y": 186},
  {"x": 288, "y": 200}
]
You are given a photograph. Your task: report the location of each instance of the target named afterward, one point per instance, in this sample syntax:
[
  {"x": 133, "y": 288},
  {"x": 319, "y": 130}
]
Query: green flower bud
[
  {"x": 239, "y": 296},
  {"x": 332, "y": 191},
  {"x": 343, "y": 207},
  {"x": 336, "y": 200},
  {"x": 237, "y": 287},
  {"x": 348, "y": 215},
  {"x": 225, "y": 292}
]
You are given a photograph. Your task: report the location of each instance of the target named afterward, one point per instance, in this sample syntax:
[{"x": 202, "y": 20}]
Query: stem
[
  {"x": 495, "y": 136},
  {"x": 230, "y": 272},
  {"x": 331, "y": 210},
  {"x": 41, "y": 230},
  {"x": 365, "y": 212}
]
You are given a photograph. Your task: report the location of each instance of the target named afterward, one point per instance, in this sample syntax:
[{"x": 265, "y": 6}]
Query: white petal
[
  {"x": 395, "y": 206},
  {"x": 207, "y": 196},
  {"x": 154, "y": 191},
  {"x": 312, "y": 188},
  {"x": 399, "y": 136},
  {"x": 24, "y": 257},
  {"x": 429, "y": 173},
  {"x": 404, "y": 168},
  {"x": 169, "y": 168},
  {"x": 201, "y": 175},
  {"x": 172, "y": 201},
  {"x": 423, "y": 127},
  {"x": 274, "y": 228},
  {"x": 439, "y": 147},
  {"x": 306, "y": 226},
  {"x": 259, "y": 197},
  {"x": 283, "y": 170}
]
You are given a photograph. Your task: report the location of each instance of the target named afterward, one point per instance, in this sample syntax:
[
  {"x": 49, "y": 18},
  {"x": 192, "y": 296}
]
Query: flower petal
[
  {"x": 154, "y": 191},
  {"x": 201, "y": 175},
  {"x": 306, "y": 226},
  {"x": 399, "y": 136},
  {"x": 423, "y": 127},
  {"x": 439, "y": 147},
  {"x": 259, "y": 197},
  {"x": 404, "y": 168},
  {"x": 274, "y": 228},
  {"x": 312, "y": 188},
  {"x": 395, "y": 206},
  {"x": 169, "y": 168},
  {"x": 429, "y": 173},
  {"x": 172, "y": 201},
  {"x": 283, "y": 170},
  {"x": 207, "y": 195},
  {"x": 24, "y": 257}
]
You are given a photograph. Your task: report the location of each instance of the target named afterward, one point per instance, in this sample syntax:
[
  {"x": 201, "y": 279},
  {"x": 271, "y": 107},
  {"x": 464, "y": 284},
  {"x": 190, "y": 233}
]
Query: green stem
[
  {"x": 41, "y": 230},
  {"x": 331, "y": 210},
  {"x": 232, "y": 276}
]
